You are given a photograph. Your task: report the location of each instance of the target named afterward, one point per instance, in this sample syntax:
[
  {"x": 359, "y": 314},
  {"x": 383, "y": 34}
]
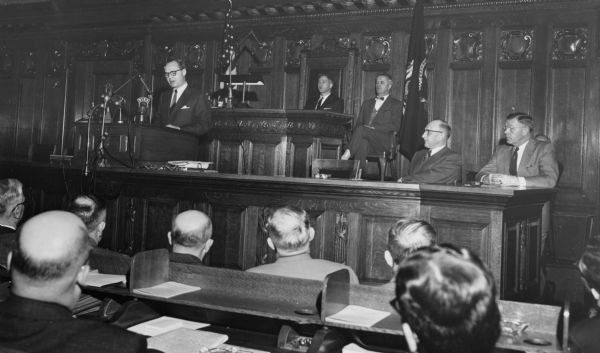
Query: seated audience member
[
  {"x": 436, "y": 164},
  {"x": 290, "y": 235},
  {"x": 92, "y": 211},
  {"x": 404, "y": 237},
  {"x": 47, "y": 264},
  {"x": 584, "y": 335},
  {"x": 190, "y": 237},
  {"x": 525, "y": 161},
  {"x": 447, "y": 297}
]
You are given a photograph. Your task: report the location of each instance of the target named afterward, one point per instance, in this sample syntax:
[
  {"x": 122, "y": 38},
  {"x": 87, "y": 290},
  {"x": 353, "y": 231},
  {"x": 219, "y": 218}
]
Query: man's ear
[
  {"x": 101, "y": 226},
  {"x": 388, "y": 258},
  {"x": 82, "y": 274},
  {"x": 270, "y": 243},
  {"x": 17, "y": 212},
  {"x": 184, "y": 72},
  {"x": 311, "y": 234},
  {"x": 206, "y": 248},
  {"x": 169, "y": 237}
]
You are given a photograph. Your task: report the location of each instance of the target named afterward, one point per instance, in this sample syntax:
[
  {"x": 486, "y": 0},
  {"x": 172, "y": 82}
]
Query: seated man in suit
[
  {"x": 437, "y": 164},
  {"x": 290, "y": 235},
  {"x": 47, "y": 264},
  {"x": 92, "y": 211},
  {"x": 190, "y": 237},
  {"x": 447, "y": 297},
  {"x": 525, "y": 161},
  {"x": 326, "y": 100},
  {"x": 406, "y": 236},
  {"x": 379, "y": 117},
  {"x": 183, "y": 107}
]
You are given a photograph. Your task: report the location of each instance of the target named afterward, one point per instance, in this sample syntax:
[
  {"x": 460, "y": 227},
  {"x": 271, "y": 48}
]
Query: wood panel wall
[{"x": 539, "y": 57}]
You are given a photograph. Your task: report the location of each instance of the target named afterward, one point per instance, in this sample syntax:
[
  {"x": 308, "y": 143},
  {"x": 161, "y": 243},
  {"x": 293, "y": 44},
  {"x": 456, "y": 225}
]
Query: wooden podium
[{"x": 143, "y": 143}]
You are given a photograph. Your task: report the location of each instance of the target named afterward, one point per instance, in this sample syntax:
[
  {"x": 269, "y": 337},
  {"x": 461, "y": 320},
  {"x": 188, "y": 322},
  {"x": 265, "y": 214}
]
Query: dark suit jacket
[
  {"x": 191, "y": 113},
  {"x": 387, "y": 118},
  {"x": 441, "y": 168},
  {"x": 538, "y": 165},
  {"x": 184, "y": 258},
  {"x": 35, "y": 326},
  {"x": 333, "y": 103},
  {"x": 584, "y": 336}
]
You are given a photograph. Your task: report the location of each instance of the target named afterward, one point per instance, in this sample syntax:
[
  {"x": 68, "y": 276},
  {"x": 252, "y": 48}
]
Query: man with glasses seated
[
  {"x": 182, "y": 107},
  {"x": 446, "y": 298},
  {"x": 524, "y": 162},
  {"x": 436, "y": 164}
]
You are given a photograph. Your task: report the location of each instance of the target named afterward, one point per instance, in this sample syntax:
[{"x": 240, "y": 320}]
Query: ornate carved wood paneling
[
  {"x": 377, "y": 50},
  {"x": 29, "y": 63},
  {"x": 467, "y": 47},
  {"x": 195, "y": 56},
  {"x": 293, "y": 50},
  {"x": 7, "y": 59},
  {"x": 516, "y": 45},
  {"x": 570, "y": 44}
]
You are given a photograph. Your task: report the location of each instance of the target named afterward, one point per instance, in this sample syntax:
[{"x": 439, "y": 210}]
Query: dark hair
[
  {"x": 523, "y": 118},
  {"x": 88, "y": 208},
  {"x": 10, "y": 191},
  {"x": 288, "y": 227},
  {"x": 385, "y": 74},
  {"x": 47, "y": 270},
  {"x": 326, "y": 76},
  {"x": 407, "y": 235},
  {"x": 192, "y": 238},
  {"x": 179, "y": 62},
  {"x": 448, "y": 297}
]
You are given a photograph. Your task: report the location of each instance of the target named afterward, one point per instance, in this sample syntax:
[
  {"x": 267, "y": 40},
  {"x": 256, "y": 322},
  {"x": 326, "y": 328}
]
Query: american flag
[{"x": 228, "y": 55}]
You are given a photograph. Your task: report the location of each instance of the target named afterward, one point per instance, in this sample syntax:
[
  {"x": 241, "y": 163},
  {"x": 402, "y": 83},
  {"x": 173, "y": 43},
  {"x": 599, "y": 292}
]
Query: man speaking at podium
[{"x": 183, "y": 107}]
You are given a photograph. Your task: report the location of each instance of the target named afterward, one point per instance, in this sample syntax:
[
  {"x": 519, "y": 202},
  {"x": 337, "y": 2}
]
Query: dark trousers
[{"x": 365, "y": 140}]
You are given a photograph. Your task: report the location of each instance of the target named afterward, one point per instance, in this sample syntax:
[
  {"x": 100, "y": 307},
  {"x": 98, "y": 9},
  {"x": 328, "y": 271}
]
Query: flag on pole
[
  {"x": 414, "y": 112},
  {"x": 228, "y": 54}
]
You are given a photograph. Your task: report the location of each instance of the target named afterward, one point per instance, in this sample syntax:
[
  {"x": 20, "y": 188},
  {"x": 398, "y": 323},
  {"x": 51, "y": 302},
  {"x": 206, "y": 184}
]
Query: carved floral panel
[
  {"x": 6, "y": 60},
  {"x": 569, "y": 44},
  {"x": 195, "y": 56},
  {"x": 377, "y": 50},
  {"x": 293, "y": 51},
  {"x": 467, "y": 47},
  {"x": 430, "y": 45},
  {"x": 516, "y": 45},
  {"x": 161, "y": 53}
]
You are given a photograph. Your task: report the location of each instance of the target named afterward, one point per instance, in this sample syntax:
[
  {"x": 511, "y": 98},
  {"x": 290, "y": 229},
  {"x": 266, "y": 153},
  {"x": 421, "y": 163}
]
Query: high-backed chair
[
  {"x": 336, "y": 168},
  {"x": 387, "y": 159}
]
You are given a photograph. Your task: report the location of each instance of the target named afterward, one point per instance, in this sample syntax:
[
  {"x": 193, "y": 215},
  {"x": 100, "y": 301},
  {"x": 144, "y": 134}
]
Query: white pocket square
[{"x": 185, "y": 107}]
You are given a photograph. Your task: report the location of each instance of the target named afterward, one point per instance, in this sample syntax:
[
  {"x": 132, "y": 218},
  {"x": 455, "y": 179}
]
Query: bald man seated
[
  {"x": 47, "y": 263},
  {"x": 190, "y": 237},
  {"x": 290, "y": 235}
]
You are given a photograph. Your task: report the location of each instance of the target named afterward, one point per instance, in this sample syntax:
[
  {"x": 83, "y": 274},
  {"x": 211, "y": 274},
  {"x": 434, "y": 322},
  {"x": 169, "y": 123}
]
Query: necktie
[
  {"x": 512, "y": 169},
  {"x": 319, "y": 102},
  {"x": 173, "y": 99},
  {"x": 427, "y": 155}
]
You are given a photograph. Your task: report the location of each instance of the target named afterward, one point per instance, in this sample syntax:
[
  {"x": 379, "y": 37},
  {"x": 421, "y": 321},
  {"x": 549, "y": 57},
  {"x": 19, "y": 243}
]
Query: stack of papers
[
  {"x": 184, "y": 340},
  {"x": 358, "y": 316},
  {"x": 167, "y": 289},
  {"x": 164, "y": 324},
  {"x": 95, "y": 279}
]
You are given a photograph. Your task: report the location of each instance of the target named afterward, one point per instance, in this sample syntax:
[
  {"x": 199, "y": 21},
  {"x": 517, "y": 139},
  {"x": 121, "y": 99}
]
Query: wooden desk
[
  {"x": 351, "y": 218},
  {"x": 273, "y": 141}
]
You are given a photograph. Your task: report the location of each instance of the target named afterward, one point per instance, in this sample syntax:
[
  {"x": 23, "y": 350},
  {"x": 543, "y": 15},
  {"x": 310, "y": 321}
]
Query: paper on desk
[
  {"x": 164, "y": 324},
  {"x": 358, "y": 316},
  {"x": 354, "y": 348},
  {"x": 167, "y": 289},
  {"x": 184, "y": 340},
  {"x": 96, "y": 279}
]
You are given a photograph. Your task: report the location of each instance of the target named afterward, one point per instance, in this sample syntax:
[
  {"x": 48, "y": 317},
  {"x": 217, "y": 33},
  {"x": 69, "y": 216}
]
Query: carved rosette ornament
[
  {"x": 109, "y": 48},
  {"x": 293, "y": 51},
  {"x": 516, "y": 45},
  {"x": 569, "y": 44},
  {"x": 377, "y": 50},
  {"x": 467, "y": 47},
  {"x": 6, "y": 60},
  {"x": 195, "y": 56},
  {"x": 162, "y": 53},
  {"x": 263, "y": 54},
  {"x": 341, "y": 237}
]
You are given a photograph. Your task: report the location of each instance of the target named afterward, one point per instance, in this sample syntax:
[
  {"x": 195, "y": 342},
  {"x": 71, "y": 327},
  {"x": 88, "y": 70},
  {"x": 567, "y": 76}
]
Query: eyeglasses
[
  {"x": 431, "y": 131},
  {"x": 171, "y": 74}
]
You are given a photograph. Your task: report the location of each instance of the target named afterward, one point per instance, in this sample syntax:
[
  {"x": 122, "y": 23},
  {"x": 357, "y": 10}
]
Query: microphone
[{"x": 108, "y": 87}]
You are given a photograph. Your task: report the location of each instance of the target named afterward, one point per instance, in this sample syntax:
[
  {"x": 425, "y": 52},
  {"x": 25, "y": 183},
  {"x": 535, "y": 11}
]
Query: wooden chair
[
  {"x": 387, "y": 159},
  {"x": 336, "y": 167}
]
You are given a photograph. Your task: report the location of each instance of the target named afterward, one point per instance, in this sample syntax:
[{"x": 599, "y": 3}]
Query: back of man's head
[
  {"x": 92, "y": 211},
  {"x": 11, "y": 195},
  {"x": 448, "y": 297},
  {"x": 191, "y": 232},
  {"x": 407, "y": 235},
  {"x": 289, "y": 229},
  {"x": 49, "y": 258}
]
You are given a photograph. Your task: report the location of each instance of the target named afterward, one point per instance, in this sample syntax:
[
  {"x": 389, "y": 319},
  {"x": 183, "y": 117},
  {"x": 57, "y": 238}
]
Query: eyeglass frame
[
  {"x": 429, "y": 131},
  {"x": 172, "y": 74}
]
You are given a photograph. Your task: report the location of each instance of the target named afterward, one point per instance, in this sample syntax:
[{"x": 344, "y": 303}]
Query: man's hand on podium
[{"x": 173, "y": 126}]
